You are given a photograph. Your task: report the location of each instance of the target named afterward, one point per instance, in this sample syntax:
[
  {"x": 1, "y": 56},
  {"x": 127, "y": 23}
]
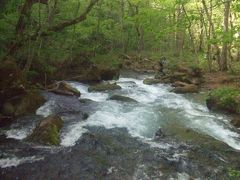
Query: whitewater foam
[{"x": 15, "y": 161}]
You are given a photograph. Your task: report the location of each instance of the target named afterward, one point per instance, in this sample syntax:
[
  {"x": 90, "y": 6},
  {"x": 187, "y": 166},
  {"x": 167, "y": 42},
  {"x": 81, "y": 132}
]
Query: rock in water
[
  {"x": 159, "y": 134},
  {"x": 150, "y": 81},
  {"x": 64, "y": 89},
  {"x": 122, "y": 98},
  {"x": 47, "y": 131},
  {"x": 104, "y": 87}
]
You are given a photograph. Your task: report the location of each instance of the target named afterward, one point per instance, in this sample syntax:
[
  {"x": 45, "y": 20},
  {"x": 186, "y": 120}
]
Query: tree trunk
[
  {"x": 224, "y": 55},
  {"x": 179, "y": 32}
]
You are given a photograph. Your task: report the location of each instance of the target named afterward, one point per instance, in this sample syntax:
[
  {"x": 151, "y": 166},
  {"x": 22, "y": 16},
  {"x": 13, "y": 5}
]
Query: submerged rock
[
  {"x": 104, "y": 87},
  {"x": 47, "y": 131},
  {"x": 150, "y": 81},
  {"x": 64, "y": 89},
  {"x": 122, "y": 98}
]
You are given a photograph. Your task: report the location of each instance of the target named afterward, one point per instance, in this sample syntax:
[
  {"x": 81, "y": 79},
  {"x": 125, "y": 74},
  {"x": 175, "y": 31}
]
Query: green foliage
[
  {"x": 107, "y": 60},
  {"x": 233, "y": 172},
  {"x": 227, "y": 97}
]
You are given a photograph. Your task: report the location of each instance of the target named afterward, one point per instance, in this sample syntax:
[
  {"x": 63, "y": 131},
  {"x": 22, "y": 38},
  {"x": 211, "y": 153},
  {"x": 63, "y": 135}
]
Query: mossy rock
[
  {"x": 151, "y": 81},
  {"x": 122, "y": 98},
  {"x": 104, "y": 87},
  {"x": 224, "y": 99},
  {"x": 64, "y": 88},
  {"x": 22, "y": 105},
  {"x": 47, "y": 132}
]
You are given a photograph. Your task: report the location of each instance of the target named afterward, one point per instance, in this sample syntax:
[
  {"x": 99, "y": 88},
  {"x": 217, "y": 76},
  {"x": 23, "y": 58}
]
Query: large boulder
[
  {"x": 104, "y": 87},
  {"x": 224, "y": 99},
  {"x": 24, "y": 104},
  {"x": 122, "y": 98},
  {"x": 64, "y": 88},
  {"x": 47, "y": 131}
]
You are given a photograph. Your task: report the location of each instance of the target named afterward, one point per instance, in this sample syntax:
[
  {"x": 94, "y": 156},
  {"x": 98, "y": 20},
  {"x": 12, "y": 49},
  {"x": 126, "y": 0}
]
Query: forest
[{"x": 107, "y": 78}]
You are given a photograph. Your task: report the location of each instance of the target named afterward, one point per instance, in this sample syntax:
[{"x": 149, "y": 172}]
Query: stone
[
  {"x": 47, "y": 132},
  {"x": 64, "y": 88},
  {"x": 122, "y": 98},
  {"x": 151, "y": 81},
  {"x": 104, "y": 87}
]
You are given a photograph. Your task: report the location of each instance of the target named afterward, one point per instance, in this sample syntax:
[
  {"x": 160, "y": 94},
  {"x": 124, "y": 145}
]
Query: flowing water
[{"x": 118, "y": 139}]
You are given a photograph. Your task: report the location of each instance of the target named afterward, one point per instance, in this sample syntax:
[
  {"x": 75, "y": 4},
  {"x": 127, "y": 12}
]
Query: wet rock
[
  {"x": 188, "y": 88},
  {"x": 104, "y": 87},
  {"x": 63, "y": 88},
  {"x": 159, "y": 134},
  {"x": 47, "y": 131},
  {"x": 85, "y": 116},
  {"x": 122, "y": 98},
  {"x": 86, "y": 101},
  {"x": 151, "y": 81},
  {"x": 23, "y": 104}
]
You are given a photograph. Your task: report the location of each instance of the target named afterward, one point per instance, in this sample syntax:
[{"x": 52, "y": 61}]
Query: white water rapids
[{"x": 157, "y": 106}]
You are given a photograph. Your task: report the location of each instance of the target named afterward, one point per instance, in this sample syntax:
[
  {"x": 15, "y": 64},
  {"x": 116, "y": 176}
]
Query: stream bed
[{"x": 162, "y": 136}]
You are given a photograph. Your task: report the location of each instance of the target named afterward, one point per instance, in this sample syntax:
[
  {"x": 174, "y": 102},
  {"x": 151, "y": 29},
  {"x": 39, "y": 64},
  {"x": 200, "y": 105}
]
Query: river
[{"x": 118, "y": 140}]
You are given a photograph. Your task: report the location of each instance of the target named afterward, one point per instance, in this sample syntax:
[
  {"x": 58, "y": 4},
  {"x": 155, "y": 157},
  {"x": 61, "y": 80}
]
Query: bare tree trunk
[
  {"x": 179, "y": 32},
  {"x": 224, "y": 55},
  {"x": 211, "y": 33},
  {"x": 192, "y": 38}
]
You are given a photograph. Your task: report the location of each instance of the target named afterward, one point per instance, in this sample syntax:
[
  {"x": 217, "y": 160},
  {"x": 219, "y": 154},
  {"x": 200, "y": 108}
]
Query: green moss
[
  {"x": 227, "y": 98},
  {"x": 53, "y": 136},
  {"x": 233, "y": 172},
  {"x": 47, "y": 131}
]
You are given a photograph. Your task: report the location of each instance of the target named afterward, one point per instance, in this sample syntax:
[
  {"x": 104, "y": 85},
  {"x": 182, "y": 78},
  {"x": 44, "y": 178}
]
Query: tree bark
[{"x": 224, "y": 55}]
